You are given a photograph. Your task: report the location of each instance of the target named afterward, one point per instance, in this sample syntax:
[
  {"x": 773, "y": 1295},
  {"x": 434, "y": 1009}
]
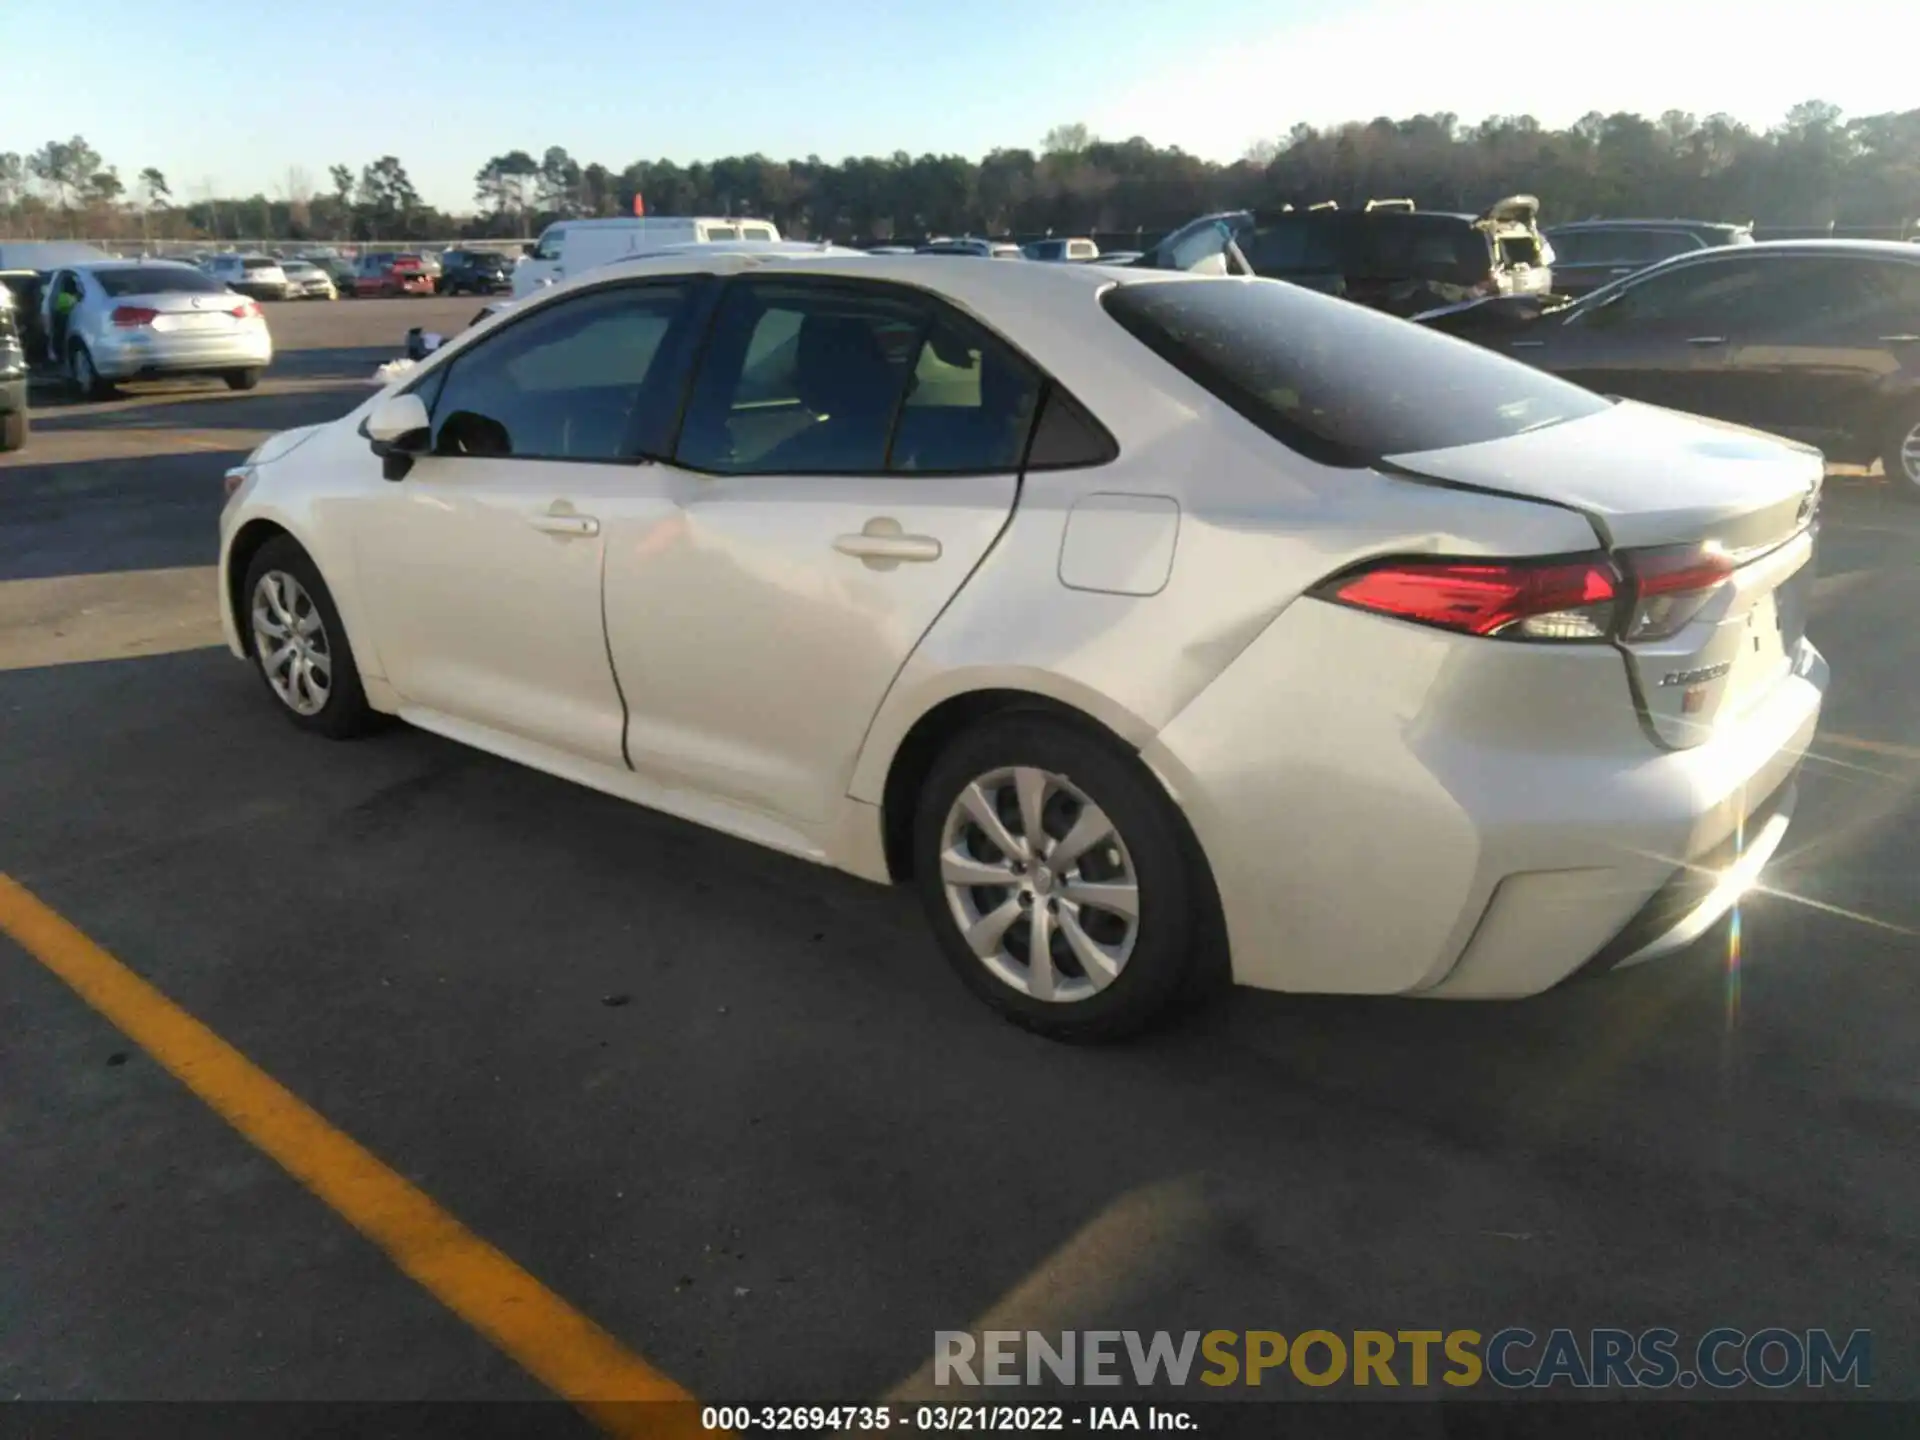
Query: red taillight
[
  {"x": 1671, "y": 586},
  {"x": 132, "y": 317},
  {"x": 1561, "y": 599},
  {"x": 245, "y": 312}
]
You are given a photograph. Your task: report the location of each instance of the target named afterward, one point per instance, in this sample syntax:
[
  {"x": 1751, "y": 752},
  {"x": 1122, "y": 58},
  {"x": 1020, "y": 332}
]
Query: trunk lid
[
  {"x": 1667, "y": 493},
  {"x": 188, "y": 312}
]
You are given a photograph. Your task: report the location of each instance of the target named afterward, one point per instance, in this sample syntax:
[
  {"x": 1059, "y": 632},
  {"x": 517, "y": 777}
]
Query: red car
[{"x": 383, "y": 275}]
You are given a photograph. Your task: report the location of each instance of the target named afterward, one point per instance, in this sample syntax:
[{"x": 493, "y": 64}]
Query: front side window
[
  {"x": 598, "y": 376},
  {"x": 1340, "y": 383},
  {"x": 1195, "y": 245},
  {"x": 1690, "y": 295},
  {"x": 549, "y": 245}
]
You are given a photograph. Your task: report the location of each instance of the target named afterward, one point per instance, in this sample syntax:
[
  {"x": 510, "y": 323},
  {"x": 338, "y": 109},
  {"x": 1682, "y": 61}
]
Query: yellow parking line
[{"x": 554, "y": 1342}]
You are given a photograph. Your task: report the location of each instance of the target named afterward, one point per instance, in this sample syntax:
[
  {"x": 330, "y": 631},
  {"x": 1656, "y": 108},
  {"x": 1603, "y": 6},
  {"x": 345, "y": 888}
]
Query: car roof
[
  {"x": 126, "y": 265},
  {"x": 1885, "y": 249},
  {"x": 1671, "y": 223}
]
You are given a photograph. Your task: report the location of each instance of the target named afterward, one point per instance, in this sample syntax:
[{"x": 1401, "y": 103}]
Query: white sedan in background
[
  {"x": 111, "y": 320},
  {"x": 1152, "y": 626}
]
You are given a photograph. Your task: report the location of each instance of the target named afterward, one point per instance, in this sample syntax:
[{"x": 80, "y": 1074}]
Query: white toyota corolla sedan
[{"x": 1153, "y": 626}]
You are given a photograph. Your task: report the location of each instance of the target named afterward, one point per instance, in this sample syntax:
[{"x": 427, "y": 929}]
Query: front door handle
[
  {"x": 1900, "y": 339},
  {"x": 565, "y": 522},
  {"x": 883, "y": 543},
  {"x": 1706, "y": 340}
]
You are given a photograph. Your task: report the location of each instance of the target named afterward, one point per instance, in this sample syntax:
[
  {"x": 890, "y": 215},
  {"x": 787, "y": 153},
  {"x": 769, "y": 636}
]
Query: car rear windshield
[
  {"x": 1338, "y": 382},
  {"x": 260, "y": 263},
  {"x": 157, "y": 280}
]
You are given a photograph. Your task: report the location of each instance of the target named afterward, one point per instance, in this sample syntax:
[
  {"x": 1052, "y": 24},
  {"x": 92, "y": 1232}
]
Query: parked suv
[
  {"x": 1590, "y": 253},
  {"x": 476, "y": 272},
  {"x": 1387, "y": 255}
]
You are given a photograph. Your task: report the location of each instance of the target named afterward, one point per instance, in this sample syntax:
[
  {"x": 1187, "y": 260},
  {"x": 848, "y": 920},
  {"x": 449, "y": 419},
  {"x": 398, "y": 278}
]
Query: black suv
[
  {"x": 1387, "y": 255},
  {"x": 473, "y": 272},
  {"x": 1590, "y": 253}
]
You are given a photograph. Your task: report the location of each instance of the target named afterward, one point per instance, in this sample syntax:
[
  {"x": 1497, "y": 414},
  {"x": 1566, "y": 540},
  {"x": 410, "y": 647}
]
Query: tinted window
[
  {"x": 802, "y": 379},
  {"x": 1663, "y": 244},
  {"x": 723, "y": 232},
  {"x": 1338, "y": 382},
  {"x": 1892, "y": 286},
  {"x": 158, "y": 280},
  {"x": 1685, "y": 296},
  {"x": 594, "y": 377},
  {"x": 1296, "y": 245},
  {"x": 968, "y": 405},
  {"x": 260, "y": 264}
]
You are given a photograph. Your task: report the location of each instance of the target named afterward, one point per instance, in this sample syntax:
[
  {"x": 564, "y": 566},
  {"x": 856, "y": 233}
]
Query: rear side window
[
  {"x": 158, "y": 280},
  {"x": 801, "y": 379},
  {"x": 1338, "y": 382},
  {"x": 1297, "y": 246}
]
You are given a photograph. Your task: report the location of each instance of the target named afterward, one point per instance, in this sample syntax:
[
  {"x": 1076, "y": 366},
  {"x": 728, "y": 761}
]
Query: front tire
[
  {"x": 299, "y": 646},
  {"x": 1033, "y": 832},
  {"x": 242, "y": 379},
  {"x": 1900, "y": 455}
]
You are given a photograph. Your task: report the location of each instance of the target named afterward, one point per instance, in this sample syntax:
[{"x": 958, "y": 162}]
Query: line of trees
[{"x": 1814, "y": 168}]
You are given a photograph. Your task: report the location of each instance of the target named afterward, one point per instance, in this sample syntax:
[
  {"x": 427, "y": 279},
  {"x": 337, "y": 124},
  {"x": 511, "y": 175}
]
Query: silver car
[
  {"x": 257, "y": 276},
  {"x": 307, "y": 281},
  {"x": 116, "y": 320}
]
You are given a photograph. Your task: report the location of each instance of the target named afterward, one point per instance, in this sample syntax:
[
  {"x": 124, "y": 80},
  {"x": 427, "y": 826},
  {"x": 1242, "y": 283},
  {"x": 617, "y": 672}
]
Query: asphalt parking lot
[{"x": 734, "y": 1109}]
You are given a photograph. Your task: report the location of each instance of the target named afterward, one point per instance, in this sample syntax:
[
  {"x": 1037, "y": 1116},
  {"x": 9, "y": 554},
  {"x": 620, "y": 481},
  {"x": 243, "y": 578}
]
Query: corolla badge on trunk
[{"x": 1695, "y": 677}]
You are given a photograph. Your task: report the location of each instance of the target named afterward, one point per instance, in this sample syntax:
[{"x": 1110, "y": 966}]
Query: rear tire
[
  {"x": 242, "y": 379},
  {"x": 1107, "y": 974},
  {"x": 1900, "y": 454},
  {"x": 87, "y": 383},
  {"x": 314, "y": 681},
  {"x": 13, "y": 430}
]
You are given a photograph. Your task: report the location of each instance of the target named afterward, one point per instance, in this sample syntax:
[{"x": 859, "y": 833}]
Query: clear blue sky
[{"x": 236, "y": 95}]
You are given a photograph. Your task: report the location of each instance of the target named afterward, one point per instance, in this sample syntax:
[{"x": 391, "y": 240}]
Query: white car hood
[
  {"x": 275, "y": 446},
  {"x": 1641, "y": 474}
]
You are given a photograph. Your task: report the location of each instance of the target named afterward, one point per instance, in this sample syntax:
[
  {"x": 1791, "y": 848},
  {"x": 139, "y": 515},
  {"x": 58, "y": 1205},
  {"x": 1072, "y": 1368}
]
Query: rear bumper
[
  {"x": 255, "y": 290},
  {"x": 142, "y": 353},
  {"x": 1394, "y": 810}
]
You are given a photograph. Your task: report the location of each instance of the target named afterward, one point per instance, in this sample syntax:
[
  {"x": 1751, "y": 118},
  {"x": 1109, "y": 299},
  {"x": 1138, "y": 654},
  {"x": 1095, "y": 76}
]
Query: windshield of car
[
  {"x": 1337, "y": 382},
  {"x": 157, "y": 280},
  {"x": 259, "y": 262}
]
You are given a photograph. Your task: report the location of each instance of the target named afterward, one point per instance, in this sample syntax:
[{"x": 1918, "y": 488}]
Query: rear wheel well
[
  {"x": 931, "y": 734},
  {"x": 240, "y": 553}
]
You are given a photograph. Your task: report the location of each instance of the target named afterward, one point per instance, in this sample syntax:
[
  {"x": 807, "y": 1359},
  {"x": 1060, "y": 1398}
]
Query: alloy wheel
[
  {"x": 1910, "y": 455},
  {"x": 290, "y": 641},
  {"x": 1040, "y": 883}
]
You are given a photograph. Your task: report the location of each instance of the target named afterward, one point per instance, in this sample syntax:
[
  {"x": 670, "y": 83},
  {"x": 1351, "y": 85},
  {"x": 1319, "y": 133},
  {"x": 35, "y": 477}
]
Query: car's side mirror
[{"x": 398, "y": 429}]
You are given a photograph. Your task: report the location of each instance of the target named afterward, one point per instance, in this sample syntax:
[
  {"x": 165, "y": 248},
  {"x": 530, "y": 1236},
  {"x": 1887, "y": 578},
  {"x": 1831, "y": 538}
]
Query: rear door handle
[
  {"x": 883, "y": 543},
  {"x": 1706, "y": 340},
  {"x": 565, "y": 523},
  {"x": 1900, "y": 339}
]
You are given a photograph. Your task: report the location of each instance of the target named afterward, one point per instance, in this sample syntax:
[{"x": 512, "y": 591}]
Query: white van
[{"x": 568, "y": 247}]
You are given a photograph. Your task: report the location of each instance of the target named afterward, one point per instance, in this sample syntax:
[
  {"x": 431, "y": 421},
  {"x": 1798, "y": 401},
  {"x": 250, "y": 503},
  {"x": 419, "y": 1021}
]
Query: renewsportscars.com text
[{"x": 1513, "y": 1358}]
